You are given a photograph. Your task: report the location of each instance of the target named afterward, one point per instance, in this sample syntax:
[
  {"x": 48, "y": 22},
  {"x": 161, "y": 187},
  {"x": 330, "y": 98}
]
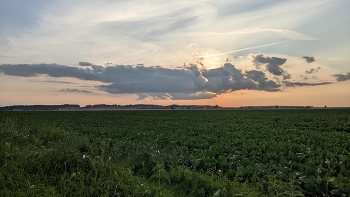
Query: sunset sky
[{"x": 205, "y": 52}]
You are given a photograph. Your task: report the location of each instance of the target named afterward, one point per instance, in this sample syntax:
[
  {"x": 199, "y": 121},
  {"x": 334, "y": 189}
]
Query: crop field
[{"x": 175, "y": 153}]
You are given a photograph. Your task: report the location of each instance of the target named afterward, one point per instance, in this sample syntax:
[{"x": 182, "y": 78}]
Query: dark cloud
[
  {"x": 262, "y": 82},
  {"x": 286, "y": 75},
  {"x": 52, "y": 81},
  {"x": 341, "y": 77},
  {"x": 75, "y": 90},
  {"x": 272, "y": 64},
  {"x": 53, "y": 70},
  {"x": 85, "y": 64},
  {"x": 216, "y": 72},
  {"x": 176, "y": 83},
  {"x": 296, "y": 84},
  {"x": 161, "y": 83},
  {"x": 194, "y": 69},
  {"x": 312, "y": 70},
  {"x": 309, "y": 59},
  {"x": 97, "y": 68},
  {"x": 157, "y": 82},
  {"x": 93, "y": 67}
]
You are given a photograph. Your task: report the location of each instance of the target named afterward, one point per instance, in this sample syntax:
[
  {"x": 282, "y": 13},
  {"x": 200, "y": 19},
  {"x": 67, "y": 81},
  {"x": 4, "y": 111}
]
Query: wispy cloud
[
  {"x": 81, "y": 36},
  {"x": 313, "y": 70},
  {"x": 74, "y": 90},
  {"x": 176, "y": 96},
  {"x": 243, "y": 49},
  {"x": 66, "y": 32},
  {"x": 52, "y": 81},
  {"x": 293, "y": 35},
  {"x": 298, "y": 84}
]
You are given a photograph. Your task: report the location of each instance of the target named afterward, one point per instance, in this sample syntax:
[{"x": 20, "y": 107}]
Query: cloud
[
  {"x": 153, "y": 96},
  {"x": 53, "y": 70},
  {"x": 191, "y": 45},
  {"x": 296, "y": 84},
  {"x": 160, "y": 83},
  {"x": 272, "y": 64},
  {"x": 192, "y": 81},
  {"x": 176, "y": 96},
  {"x": 341, "y": 77},
  {"x": 96, "y": 68},
  {"x": 309, "y": 59},
  {"x": 293, "y": 35},
  {"x": 196, "y": 96},
  {"x": 262, "y": 82},
  {"x": 313, "y": 70},
  {"x": 85, "y": 64},
  {"x": 97, "y": 33},
  {"x": 75, "y": 90},
  {"x": 242, "y": 49},
  {"x": 305, "y": 77},
  {"x": 286, "y": 75},
  {"x": 26, "y": 20},
  {"x": 52, "y": 81},
  {"x": 92, "y": 67},
  {"x": 159, "y": 20}
]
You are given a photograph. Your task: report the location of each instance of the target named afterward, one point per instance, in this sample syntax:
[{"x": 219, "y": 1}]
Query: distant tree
[{"x": 325, "y": 106}]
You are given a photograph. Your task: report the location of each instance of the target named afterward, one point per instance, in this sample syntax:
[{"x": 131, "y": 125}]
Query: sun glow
[{"x": 210, "y": 62}]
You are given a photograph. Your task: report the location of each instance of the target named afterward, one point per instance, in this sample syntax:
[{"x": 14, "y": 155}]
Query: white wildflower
[
  {"x": 84, "y": 156},
  {"x": 73, "y": 175}
]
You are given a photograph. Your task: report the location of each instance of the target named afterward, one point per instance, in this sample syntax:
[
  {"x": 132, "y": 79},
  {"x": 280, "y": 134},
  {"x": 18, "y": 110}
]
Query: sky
[{"x": 205, "y": 52}]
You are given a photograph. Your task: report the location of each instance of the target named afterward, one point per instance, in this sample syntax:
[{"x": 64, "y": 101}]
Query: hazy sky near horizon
[{"x": 228, "y": 53}]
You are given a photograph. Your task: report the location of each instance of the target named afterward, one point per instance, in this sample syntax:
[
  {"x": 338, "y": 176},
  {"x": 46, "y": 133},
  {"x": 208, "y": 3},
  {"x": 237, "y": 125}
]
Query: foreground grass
[
  {"x": 46, "y": 160},
  {"x": 175, "y": 153}
]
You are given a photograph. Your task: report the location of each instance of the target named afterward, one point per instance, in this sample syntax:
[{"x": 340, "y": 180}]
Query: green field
[{"x": 175, "y": 153}]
